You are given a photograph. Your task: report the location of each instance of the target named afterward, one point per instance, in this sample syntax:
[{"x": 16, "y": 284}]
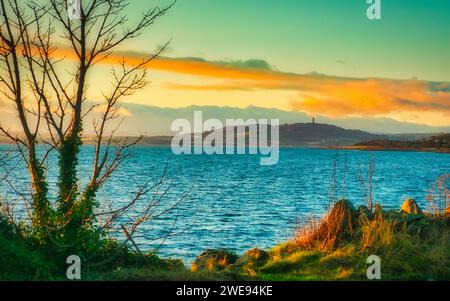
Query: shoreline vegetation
[
  {"x": 392, "y": 149},
  {"x": 438, "y": 143},
  {"x": 412, "y": 245}
]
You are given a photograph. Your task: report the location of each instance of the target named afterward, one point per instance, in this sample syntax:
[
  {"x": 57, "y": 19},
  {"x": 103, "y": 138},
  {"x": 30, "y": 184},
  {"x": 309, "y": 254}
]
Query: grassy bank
[
  {"x": 412, "y": 245},
  {"x": 21, "y": 258}
]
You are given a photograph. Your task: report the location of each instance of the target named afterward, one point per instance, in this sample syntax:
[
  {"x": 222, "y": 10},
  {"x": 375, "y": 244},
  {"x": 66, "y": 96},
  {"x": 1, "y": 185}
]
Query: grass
[
  {"x": 150, "y": 274},
  {"x": 337, "y": 247},
  {"x": 312, "y": 265},
  {"x": 408, "y": 258}
]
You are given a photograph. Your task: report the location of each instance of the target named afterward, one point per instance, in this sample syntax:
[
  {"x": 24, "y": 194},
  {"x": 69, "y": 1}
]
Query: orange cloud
[
  {"x": 327, "y": 95},
  {"x": 217, "y": 87},
  {"x": 375, "y": 97}
]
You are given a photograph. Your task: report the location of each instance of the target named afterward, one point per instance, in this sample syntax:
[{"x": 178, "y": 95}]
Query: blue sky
[{"x": 328, "y": 36}]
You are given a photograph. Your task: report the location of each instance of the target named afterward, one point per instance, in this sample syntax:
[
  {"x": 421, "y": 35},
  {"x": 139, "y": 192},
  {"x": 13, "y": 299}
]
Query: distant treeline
[{"x": 441, "y": 141}]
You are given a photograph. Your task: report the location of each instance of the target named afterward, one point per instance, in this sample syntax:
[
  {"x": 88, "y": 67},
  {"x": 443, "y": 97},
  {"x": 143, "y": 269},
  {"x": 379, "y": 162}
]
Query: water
[{"x": 235, "y": 203}]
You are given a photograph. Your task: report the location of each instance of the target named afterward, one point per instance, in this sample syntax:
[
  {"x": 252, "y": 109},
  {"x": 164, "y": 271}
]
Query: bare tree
[
  {"x": 14, "y": 28},
  {"x": 50, "y": 99}
]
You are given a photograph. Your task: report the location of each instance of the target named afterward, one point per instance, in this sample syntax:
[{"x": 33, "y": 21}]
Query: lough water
[{"x": 235, "y": 203}]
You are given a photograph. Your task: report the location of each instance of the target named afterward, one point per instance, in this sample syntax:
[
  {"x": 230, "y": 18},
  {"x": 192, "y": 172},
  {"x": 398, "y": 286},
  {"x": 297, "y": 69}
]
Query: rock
[
  {"x": 421, "y": 227},
  {"x": 342, "y": 216},
  {"x": 410, "y": 207},
  {"x": 413, "y": 218},
  {"x": 344, "y": 207},
  {"x": 252, "y": 258},
  {"x": 364, "y": 213},
  {"x": 338, "y": 226},
  {"x": 258, "y": 256},
  {"x": 214, "y": 260}
]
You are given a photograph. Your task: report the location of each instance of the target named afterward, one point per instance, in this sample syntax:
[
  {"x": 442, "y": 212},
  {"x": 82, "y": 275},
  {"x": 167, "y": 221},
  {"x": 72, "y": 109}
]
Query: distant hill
[
  {"x": 301, "y": 134},
  {"x": 315, "y": 134}
]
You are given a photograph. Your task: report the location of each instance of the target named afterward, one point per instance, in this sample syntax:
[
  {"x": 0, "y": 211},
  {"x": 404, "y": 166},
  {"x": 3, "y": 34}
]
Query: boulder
[
  {"x": 342, "y": 217},
  {"x": 344, "y": 207},
  {"x": 413, "y": 218},
  {"x": 421, "y": 227},
  {"x": 258, "y": 255},
  {"x": 410, "y": 207},
  {"x": 252, "y": 258},
  {"x": 364, "y": 213},
  {"x": 338, "y": 226},
  {"x": 214, "y": 260}
]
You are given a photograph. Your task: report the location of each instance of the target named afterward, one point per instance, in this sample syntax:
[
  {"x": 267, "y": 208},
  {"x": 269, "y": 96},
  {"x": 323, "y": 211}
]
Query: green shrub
[{"x": 19, "y": 260}]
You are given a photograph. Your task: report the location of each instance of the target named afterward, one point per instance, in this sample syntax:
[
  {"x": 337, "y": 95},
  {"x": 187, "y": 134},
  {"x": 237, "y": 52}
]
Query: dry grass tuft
[
  {"x": 378, "y": 232},
  {"x": 326, "y": 234}
]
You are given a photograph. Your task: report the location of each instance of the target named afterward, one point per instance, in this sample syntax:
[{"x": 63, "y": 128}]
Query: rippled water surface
[{"x": 235, "y": 203}]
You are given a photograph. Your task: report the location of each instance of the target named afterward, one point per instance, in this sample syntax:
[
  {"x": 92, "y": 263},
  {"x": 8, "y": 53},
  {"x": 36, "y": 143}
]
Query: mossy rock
[
  {"x": 251, "y": 259},
  {"x": 421, "y": 227},
  {"x": 413, "y": 218},
  {"x": 258, "y": 254},
  {"x": 214, "y": 260},
  {"x": 364, "y": 213}
]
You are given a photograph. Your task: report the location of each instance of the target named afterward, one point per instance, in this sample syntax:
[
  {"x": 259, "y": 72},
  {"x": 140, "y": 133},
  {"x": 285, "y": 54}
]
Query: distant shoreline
[
  {"x": 399, "y": 149},
  {"x": 330, "y": 147}
]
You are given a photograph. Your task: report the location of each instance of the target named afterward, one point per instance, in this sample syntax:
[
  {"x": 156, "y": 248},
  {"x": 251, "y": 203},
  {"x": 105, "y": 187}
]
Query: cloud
[
  {"x": 217, "y": 87},
  {"x": 375, "y": 97},
  {"x": 316, "y": 93},
  {"x": 255, "y": 64}
]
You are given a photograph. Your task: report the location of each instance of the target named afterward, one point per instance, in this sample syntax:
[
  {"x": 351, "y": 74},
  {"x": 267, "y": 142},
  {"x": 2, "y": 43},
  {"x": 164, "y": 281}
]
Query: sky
[
  {"x": 327, "y": 36},
  {"x": 322, "y": 57},
  {"x": 328, "y": 40}
]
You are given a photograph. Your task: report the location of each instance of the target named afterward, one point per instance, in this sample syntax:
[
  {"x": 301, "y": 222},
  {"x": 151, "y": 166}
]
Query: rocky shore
[{"x": 337, "y": 247}]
